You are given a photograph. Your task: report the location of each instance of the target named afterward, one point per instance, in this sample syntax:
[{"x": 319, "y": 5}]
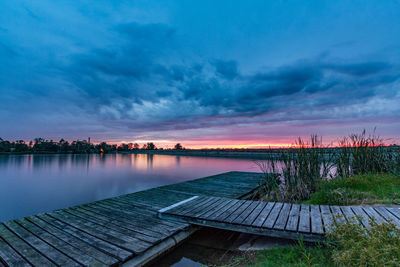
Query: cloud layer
[{"x": 129, "y": 79}]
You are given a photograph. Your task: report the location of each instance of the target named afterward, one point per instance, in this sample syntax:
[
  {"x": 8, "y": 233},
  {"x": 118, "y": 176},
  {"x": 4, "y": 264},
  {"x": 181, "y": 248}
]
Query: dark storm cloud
[
  {"x": 302, "y": 84},
  {"x": 150, "y": 34},
  {"x": 226, "y": 68},
  {"x": 119, "y": 80},
  {"x": 360, "y": 69}
]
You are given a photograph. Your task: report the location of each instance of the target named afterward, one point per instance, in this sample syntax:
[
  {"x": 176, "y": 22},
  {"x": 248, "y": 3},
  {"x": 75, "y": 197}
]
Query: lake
[{"x": 31, "y": 184}]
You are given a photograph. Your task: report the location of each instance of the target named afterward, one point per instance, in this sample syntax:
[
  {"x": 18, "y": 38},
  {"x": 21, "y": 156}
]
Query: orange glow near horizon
[
  {"x": 217, "y": 144},
  {"x": 240, "y": 146},
  {"x": 208, "y": 144}
]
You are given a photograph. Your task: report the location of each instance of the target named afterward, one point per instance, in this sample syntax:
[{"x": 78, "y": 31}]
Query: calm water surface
[{"x": 31, "y": 184}]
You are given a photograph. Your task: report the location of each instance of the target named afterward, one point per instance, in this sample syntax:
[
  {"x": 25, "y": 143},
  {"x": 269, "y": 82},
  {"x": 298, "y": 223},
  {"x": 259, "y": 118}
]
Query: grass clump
[
  {"x": 357, "y": 246},
  {"x": 358, "y": 189},
  {"x": 291, "y": 256}
]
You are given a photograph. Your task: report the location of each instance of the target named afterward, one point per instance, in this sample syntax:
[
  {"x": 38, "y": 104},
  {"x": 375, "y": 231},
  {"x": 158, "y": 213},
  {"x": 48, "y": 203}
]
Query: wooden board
[{"x": 285, "y": 220}]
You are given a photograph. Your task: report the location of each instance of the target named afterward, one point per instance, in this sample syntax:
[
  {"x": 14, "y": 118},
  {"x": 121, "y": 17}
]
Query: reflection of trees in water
[
  {"x": 178, "y": 161},
  {"x": 150, "y": 161},
  {"x": 81, "y": 160},
  {"x": 43, "y": 161},
  {"x": 16, "y": 161}
]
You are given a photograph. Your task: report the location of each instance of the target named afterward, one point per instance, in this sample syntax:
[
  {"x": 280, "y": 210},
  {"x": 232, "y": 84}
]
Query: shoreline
[
  {"x": 209, "y": 153},
  {"x": 190, "y": 153}
]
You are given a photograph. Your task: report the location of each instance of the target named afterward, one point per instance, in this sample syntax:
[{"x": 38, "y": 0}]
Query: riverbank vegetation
[
  {"x": 42, "y": 146},
  {"x": 348, "y": 245},
  {"x": 360, "y": 171},
  {"x": 311, "y": 166},
  {"x": 363, "y": 189}
]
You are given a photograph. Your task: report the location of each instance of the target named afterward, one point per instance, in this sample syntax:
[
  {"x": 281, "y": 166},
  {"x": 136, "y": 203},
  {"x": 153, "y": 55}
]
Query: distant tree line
[{"x": 40, "y": 145}]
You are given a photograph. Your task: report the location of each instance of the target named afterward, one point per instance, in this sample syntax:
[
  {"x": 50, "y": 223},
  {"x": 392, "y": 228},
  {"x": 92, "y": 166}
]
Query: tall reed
[
  {"x": 362, "y": 154},
  {"x": 303, "y": 166}
]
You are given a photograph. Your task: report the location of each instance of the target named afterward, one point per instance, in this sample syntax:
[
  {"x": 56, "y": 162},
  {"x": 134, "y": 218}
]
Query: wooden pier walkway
[
  {"x": 124, "y": 230},
  {"x": 275, "y": 219}
]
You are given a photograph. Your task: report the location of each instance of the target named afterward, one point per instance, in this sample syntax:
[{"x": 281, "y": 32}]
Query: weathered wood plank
[
  {"x": 338, "y": 214},
  {"x": 191, "y": 203},
  {"x": 252, "y": 230},
  {"x": 253, "y": 215},
  {"x": 59, "y": 244},
  {"x": 129, "y": 243},
  {"x": 388, "y": 216},
  {"x": 223, "y": 203},
  {"x": 48, "y": 251},
  {"x": 316, "y": 220},
  {"x": 304, "y": 222},
  {"x": 198, "y": 207},
  {"x": 242, "y": 216},
  {"x": 229, "y": 211},
  {"x": 124, "y": 224},
  {"x": 10, "y": 256},
  {"x": 98, "y": 243},
  {"x": 130, "y": 211},
  {"x": 84, "y": 247},
  {"x": 294, "y": 217},
  {"x": 221, "y": 211},
  {"x": 283, "y": 217},
  {"x": 349, "y": 214},
  {"x": 30, "y": 254},
  {"x": 151, "y": 221},
  {"x": 374, "y": 215},
  {"x": 115, "y": 227},
  {"x": 362, "y": 216},
  {"x": 327, "y": 217},
  {"x": 211, "y": 208},
  {"x": 394, "y": 211},
  {"x": 273, "y": 215},
  {"x": 237, "y": 212},
  {"x": 258, "y": 222}
]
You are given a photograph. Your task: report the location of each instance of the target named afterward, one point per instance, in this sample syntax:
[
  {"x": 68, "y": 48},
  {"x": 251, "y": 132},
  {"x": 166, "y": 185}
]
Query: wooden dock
[
  {"x": 275, "y": 219},
  {"x": 124, "y": 230}
]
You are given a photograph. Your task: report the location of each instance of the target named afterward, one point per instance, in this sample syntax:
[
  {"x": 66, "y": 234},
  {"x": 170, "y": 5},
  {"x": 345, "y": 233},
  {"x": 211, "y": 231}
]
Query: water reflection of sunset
[{"x": 29, "y": 181}]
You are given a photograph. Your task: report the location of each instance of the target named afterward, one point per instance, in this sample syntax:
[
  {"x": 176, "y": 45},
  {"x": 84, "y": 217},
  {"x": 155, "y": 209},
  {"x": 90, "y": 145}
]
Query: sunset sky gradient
[{"x": 203, "y": 73}]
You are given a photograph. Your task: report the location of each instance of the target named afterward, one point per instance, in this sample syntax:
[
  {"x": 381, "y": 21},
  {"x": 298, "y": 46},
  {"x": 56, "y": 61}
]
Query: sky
[{"x": 203, "y": 73}]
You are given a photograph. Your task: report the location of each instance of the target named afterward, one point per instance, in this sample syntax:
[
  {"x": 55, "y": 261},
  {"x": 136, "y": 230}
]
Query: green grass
[
  {"x": 361, "y": 189},
  {"x": 354, "y": 245},
  {"x": 291, "y": 256}
]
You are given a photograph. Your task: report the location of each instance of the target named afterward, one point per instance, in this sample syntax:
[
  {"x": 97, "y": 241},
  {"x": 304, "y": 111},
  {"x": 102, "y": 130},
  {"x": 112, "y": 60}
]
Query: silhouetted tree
[
  {"x": 123, "y": 147},
  {"x": 151, "y": 146},
  {"x": 178, "y": 146},
  {"x": 20, "y": 146}
]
